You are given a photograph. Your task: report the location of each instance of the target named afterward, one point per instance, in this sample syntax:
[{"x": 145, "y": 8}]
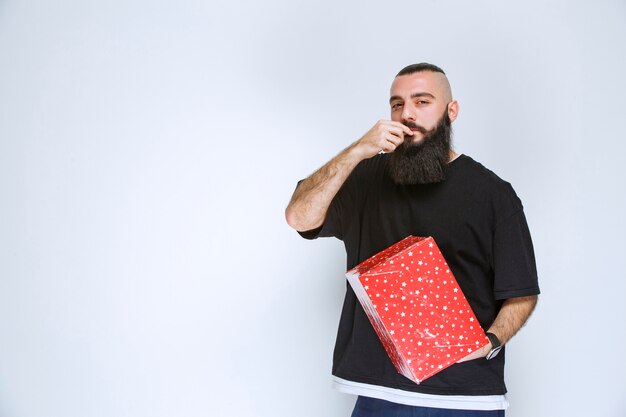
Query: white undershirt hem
[{"x": 457, "y": 402}]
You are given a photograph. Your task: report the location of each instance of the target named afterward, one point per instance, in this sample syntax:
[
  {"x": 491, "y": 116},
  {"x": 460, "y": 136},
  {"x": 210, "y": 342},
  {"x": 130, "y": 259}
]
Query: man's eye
[
  {"x": 422, "y": 102},
  {"x": 396, "y": 106}
]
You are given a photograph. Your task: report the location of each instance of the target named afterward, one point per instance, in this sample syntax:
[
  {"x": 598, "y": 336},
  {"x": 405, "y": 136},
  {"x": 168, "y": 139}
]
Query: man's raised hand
[{"x": 385, "y": 135}]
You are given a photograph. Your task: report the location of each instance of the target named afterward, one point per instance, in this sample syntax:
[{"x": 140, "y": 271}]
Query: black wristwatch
[{"x": 496, "y": 345}]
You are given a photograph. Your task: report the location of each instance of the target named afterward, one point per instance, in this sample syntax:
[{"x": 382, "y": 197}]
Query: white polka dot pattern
[{"x": 416, "y": 307}]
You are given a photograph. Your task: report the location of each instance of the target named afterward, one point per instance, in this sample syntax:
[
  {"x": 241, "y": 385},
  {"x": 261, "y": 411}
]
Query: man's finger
[
  {"x": 407, "y": 131},
  {"x": 403, "y": 128},
  {"x": 395, "y": 139}
]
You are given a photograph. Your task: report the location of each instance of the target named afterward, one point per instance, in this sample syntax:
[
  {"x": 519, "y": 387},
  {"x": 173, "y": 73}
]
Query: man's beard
[{"x": 423, "y": 162}]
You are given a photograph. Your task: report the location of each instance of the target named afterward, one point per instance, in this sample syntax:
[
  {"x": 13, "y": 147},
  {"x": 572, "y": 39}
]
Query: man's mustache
[{"x": 417, "y": 127}]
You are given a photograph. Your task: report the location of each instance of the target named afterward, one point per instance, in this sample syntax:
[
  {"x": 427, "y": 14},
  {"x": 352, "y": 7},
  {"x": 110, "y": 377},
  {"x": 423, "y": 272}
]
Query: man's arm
[
  {"x": 511, "y": 318},
  {"x": 311, "y": 199}
]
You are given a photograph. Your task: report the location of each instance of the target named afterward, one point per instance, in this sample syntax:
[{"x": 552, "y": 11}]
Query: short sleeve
[
  {"x": 515, "y": 270},
  {"x": 331, "y": 226},
  {"x": 333, "y": 222}
]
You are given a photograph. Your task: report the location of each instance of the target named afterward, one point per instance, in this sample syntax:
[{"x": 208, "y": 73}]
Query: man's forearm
[
  {"x": 309, "y": 203},
  {"x": 512, "y": 316}
]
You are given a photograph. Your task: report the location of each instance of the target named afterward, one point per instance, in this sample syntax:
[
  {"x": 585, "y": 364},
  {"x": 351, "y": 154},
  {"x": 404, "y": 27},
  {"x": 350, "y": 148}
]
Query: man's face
[
  {"x": 422, "y": 101},
  {"x": 418, "y": 100}
]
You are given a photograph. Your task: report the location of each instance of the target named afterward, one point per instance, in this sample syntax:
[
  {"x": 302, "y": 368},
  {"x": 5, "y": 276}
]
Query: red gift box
[{"x": 417, "y": 308}]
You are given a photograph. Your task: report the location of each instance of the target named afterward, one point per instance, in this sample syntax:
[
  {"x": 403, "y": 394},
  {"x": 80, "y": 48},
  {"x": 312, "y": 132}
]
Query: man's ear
[{"x": 453, "y": 110}]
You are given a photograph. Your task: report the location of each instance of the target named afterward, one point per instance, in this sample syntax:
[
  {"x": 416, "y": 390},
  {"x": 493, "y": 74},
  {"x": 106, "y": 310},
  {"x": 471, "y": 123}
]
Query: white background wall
[{"x": 148, "y": 149}]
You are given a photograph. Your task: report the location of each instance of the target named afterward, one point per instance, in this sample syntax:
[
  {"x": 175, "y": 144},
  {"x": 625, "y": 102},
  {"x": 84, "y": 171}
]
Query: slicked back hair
[{"x": 423, "y": 66}]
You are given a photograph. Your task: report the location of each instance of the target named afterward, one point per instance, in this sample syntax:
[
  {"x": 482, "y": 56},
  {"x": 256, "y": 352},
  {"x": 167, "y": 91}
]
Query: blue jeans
[{"x": 373, "y": 407}]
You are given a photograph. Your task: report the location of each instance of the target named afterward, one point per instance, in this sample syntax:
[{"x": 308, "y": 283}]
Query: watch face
[
  {"x": 496, "y": 346},
  {"x": 492, "y": 354}
]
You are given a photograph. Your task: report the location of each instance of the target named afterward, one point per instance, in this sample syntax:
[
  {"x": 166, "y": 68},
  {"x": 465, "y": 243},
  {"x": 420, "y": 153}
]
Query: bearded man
[{"x": 403, "y": 178}]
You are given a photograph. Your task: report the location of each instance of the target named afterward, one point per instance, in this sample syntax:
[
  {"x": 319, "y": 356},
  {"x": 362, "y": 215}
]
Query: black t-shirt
[{"x": 478, "y": 223}]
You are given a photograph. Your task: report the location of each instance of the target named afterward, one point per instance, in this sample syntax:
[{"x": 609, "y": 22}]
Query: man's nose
[{"x": 408, "y": 113}]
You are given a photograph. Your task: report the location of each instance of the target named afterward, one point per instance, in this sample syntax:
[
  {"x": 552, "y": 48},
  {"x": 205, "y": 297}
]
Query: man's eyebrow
[
  {"x": 414, "y": 95},
  {"x": 424, "y": 94}
]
